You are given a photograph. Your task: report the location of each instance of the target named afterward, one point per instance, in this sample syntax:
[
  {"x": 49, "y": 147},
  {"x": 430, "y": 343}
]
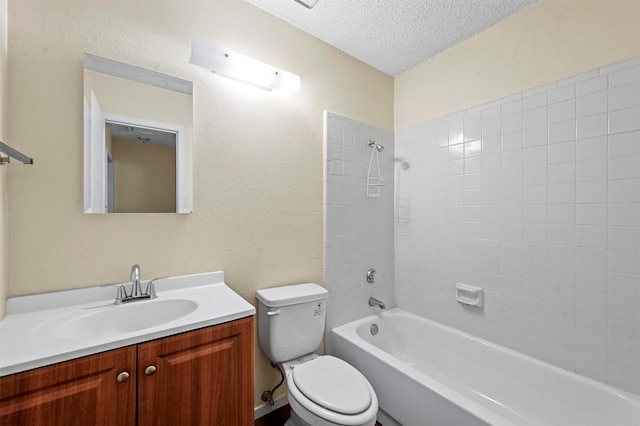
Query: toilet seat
[
  {"x": 333, "y": 384},
  {"x": 361, "y": 406}
]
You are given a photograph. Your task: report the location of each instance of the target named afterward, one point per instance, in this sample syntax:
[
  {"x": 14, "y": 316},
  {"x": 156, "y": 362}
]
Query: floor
[
  {"x": 278, "y": 417},
  {"x": 274, "y": 418}
]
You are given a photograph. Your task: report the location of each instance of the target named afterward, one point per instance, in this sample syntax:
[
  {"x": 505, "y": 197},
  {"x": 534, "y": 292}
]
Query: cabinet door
[
  {"x": 80, "y": 392},
  {"x": 204, "y": 377}
]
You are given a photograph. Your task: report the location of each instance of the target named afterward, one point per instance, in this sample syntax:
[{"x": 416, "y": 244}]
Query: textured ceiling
[{"x": 393, "y": 35}]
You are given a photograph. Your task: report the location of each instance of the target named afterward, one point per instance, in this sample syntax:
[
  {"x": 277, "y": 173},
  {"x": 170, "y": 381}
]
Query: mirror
[{"x": 137, "y": 139}]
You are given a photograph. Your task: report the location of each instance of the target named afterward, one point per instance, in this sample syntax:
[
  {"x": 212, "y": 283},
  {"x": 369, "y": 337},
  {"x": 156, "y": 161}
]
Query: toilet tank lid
[{"x": 291, "y": 294}]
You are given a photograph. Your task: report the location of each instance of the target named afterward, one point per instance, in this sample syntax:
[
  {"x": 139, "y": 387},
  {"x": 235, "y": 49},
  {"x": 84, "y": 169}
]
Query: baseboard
[
  {"x": 385, "y": 419},
  {"x": 265, "y": 409}
]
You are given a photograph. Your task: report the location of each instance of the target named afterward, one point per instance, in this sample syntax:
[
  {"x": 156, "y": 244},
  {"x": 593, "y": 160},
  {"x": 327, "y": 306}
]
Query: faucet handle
[
  {"x": 121, "y": 294},
  {"x": 151, "y": 289},
  {"x": 372, "y": 276}
]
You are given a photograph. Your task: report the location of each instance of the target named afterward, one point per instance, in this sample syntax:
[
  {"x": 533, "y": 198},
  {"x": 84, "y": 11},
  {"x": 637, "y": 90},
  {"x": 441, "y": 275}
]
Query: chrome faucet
[
  {"x": 135, "y": 280},
  {"x": 136, "y": 293},
  {"x": 375, "y": 302}
]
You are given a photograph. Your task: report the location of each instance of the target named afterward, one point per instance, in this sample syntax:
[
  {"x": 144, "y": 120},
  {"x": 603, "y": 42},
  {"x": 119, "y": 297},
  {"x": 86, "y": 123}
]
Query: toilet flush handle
[{"x": 276, "y": 312}]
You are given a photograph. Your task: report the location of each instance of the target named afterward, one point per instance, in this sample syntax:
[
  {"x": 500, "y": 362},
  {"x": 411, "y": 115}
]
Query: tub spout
[{"x": 375, "y": 302}]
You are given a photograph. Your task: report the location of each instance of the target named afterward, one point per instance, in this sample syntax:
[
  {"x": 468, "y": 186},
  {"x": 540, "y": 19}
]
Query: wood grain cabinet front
[
  {"x": 84, "y": 391},
  {"x": 202, "y": 377}
]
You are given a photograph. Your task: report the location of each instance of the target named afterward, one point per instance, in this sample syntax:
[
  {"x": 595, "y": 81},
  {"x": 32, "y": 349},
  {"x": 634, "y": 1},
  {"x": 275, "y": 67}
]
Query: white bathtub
[{"x": 425, "y": 373}]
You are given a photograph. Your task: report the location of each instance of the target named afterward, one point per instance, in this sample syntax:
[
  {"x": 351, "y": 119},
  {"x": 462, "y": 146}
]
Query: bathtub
[{"x": 425, "y": 373}]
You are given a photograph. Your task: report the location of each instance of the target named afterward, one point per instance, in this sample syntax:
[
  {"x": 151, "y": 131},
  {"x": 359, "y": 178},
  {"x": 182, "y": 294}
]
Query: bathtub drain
[{"x": 374, "y": 329}]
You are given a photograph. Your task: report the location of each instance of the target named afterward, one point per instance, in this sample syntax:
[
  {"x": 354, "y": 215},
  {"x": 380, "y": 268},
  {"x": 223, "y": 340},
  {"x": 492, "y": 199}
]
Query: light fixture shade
[
  {"x": 308, "y": 3},
  {"x": 243, "y": 68}
]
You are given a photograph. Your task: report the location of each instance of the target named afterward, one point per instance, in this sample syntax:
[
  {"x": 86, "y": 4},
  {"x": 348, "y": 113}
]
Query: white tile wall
[
  {"x": 535, "y": 198},
  {"x": 358, "y": 230}
]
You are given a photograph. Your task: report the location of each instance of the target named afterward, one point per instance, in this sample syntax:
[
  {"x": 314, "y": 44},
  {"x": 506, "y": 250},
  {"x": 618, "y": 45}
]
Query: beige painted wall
[
  {"x": 551, "y": 40},
  {"x": 145, "y": 177},
  {"x": 4, "y": 237},
  {"x": 258, "y": 155}
]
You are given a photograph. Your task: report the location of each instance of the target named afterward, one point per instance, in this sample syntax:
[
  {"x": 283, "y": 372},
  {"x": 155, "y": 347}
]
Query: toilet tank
[{"x": 291, "y": 320}]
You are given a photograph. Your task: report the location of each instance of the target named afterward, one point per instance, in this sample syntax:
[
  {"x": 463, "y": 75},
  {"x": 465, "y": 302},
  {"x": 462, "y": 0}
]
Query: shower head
[{"x": 374, "y": 144}]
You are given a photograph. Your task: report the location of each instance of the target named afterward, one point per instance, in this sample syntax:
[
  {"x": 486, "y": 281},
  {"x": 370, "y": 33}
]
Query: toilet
[{"x": 322, "y": 390}]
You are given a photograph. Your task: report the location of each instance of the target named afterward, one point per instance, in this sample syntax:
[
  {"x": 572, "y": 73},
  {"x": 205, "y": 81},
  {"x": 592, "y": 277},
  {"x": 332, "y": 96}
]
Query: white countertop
[{"x": 27, "y": 339}]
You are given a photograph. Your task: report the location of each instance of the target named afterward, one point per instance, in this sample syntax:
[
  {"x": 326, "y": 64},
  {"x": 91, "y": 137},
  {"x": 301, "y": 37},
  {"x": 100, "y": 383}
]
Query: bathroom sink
[
  {"x": 119, "y": 319},
  {"x": 47, "y": 328}
]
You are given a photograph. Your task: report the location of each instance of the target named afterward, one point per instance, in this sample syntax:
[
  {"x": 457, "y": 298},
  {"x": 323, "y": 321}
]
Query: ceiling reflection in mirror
[{"x": 137, "y": 139}]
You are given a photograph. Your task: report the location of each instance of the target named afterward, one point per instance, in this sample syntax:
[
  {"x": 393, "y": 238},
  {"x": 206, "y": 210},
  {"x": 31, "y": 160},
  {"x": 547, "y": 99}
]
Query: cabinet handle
[
  {"x": 122, "y": 377},
  {"x": 150, "y": 370}
]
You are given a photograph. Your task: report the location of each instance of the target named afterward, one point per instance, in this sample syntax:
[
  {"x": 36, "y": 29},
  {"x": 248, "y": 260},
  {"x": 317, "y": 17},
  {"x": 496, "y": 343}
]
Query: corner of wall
[
  {"x": 3, "y": 179},
  {"x": 4, "y": 249},
  {"x": 545, "y": 42}
]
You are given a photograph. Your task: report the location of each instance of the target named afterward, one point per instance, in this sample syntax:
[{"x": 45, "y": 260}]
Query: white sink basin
[
  {"x": 43, "y": 329},
  {"x": 118, "y": 319}
]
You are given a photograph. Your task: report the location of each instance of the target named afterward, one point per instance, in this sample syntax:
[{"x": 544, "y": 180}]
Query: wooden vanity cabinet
[
  {"x": 80, "y": 392},
  {"x": 202, "y": 377}
]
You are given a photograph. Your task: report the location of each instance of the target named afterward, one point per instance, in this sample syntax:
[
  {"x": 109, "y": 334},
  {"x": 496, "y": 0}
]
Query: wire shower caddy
[{"x": 374, "y": 177}]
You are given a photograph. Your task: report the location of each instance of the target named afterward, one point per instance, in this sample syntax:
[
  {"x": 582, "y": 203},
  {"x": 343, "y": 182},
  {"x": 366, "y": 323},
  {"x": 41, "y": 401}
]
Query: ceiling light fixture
[
  {"x": 307, "y": 3},
  {"x": 233, "y": 65}
]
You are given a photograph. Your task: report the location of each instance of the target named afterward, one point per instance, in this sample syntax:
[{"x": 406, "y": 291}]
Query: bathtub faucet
[{"x": 375, "y": 302}]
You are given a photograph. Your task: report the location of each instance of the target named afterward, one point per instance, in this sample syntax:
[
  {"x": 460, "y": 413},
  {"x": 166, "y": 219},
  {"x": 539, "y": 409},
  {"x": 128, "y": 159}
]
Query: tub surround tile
[
  {"x": 546, "y": 220},
  {"x": 359, "y": 230}
]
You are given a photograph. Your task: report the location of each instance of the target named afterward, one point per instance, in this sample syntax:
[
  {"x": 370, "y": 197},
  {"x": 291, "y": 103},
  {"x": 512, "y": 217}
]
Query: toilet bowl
[
  {"x": 326, "y": 391},
  {"x": 322, "y": 390}
]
